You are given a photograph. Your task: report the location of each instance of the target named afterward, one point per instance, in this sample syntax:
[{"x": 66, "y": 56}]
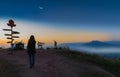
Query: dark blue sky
[
  {"x": 73, "y": 20},
  {"x": 63, "y": 11}
]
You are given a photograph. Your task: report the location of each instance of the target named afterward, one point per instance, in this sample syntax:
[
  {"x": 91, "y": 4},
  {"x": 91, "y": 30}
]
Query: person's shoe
[{"x": 32, "y": 65}]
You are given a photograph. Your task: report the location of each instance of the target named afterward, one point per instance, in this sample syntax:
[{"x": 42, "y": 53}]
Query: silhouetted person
[
  {"x": 55, "y": 44},
  {"x": 31, "y": 50}
]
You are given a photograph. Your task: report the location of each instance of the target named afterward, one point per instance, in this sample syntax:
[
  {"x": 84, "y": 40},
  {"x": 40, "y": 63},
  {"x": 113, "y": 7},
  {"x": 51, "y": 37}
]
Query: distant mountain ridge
[
  {"x": 100, "y": 44},
  {"x": 113, "y": 42},
  {"x": 97, "y": 43}
]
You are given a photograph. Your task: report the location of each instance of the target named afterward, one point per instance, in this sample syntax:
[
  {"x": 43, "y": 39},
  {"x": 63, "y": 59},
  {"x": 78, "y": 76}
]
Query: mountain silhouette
[
  {"x": 99, "y": 44},
  {"x": 94, "y": 43}
]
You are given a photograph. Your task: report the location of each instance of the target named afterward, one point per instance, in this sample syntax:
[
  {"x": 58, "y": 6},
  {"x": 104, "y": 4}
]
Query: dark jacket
[{"x": 31, "y": 46}]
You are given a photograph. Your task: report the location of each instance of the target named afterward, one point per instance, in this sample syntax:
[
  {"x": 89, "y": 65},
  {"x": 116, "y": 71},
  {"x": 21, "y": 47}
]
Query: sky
[{"x": 61, "y": 20}]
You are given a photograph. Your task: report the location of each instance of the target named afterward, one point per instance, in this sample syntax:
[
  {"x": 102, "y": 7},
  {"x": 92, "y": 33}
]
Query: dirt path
[{"x": 50, "y": 64}]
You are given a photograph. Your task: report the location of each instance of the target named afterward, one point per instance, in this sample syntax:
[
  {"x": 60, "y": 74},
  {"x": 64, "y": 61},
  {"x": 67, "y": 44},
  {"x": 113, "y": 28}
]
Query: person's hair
[{"x": 32, "y": 38}]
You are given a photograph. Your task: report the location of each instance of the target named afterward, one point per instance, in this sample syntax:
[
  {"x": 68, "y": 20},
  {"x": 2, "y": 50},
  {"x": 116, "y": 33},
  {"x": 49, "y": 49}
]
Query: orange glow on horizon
[
  {"x": 62, "y": 38},
  {"x": 47, "y": 34}
]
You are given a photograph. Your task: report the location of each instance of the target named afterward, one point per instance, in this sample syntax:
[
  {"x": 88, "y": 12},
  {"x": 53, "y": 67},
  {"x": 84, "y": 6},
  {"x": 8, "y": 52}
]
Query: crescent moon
[{"x": 41, "y": 8}]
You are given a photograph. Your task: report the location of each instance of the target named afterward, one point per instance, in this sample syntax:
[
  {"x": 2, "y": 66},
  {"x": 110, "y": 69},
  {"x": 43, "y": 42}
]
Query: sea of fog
[{"x": 108, "y": 52}]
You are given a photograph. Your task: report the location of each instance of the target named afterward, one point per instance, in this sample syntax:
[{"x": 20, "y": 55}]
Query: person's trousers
[{"x": 31, "y": 59}]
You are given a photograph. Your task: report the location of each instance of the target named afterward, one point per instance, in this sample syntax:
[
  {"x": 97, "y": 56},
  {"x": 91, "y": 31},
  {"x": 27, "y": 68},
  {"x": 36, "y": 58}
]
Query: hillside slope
[{"x": 51, "y": 64}]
